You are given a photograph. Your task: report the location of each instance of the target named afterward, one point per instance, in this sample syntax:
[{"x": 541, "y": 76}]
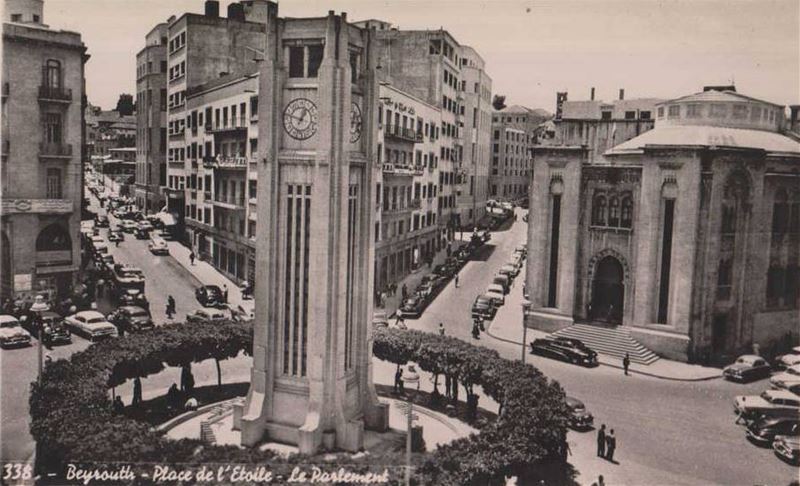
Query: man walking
[
  {"x": 611, "y": 445},
  {"x": 191, "y": 258},
  {"x": 225, "y": 292},
  {"x": 626, "y": 361},
  {"x": 404, "y": 292},
  {"x": 441, "y": 329},
  {"x": 456, "y": 279},
  {"x": 137, "y": 391},
  {"x": 601, "y": 441}
]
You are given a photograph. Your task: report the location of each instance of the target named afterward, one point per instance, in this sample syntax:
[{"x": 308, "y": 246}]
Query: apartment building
[
  {"x": 151, "y": 120},
  {"x": 514, "y": 133},
  {"x": 42, "y": 141}
]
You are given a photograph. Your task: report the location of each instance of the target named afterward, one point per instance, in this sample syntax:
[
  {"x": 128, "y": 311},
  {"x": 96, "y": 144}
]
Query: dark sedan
[
  {"x": 55, "y": 331},
  {"x": 483, "y": 308},
  {"x": 747, "y": 368},
  {"x": 764, "y": 430},
  {"x": 564, "y": 350},
  {"x": 130, "y": 318},
  {"x": 412, "y": 307},
  {"x": 580, "y": 418},
  {"x": 210, "y": 296}
]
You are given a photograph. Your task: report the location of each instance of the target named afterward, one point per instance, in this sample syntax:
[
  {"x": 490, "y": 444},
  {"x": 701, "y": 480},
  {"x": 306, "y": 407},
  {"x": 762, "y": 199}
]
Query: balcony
[
  {"x": 402, "y": 134},
  {"x": 48, "y": 150},
  {"x": 225, "y": 162},
  {"x": 232, "y": 125},
  {"x": 36, "y": 206},
  {"x": 228, "y": 202},
  {"x": 55, "y": 94},
  {"x": 403, "y": 170}
]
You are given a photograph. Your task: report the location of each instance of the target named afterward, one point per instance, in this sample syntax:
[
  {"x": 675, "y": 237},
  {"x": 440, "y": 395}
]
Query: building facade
[
  {"x": 514, "y": 133},
  {"x": 311, "y": 380},
  {"x": 688, "y": 234},
  {"x": 151, "y": 120},
  {"x": 42, "y": 141}
]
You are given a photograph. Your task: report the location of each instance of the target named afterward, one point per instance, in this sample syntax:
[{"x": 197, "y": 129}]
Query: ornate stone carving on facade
[
  {"x": 626, "y": 278},
  {"x": 611, "y": 175}
]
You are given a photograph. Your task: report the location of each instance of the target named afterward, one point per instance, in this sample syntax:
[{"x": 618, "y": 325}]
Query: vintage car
[
  {"x": 206, "y": 315},
  {"x": 105, "y": 264},
  {"x": 579, "y": 418},
  {"x": 379, "y": 319},
  {"x": 12, "y": 333},
  {"x": 158, "y": 246},
  {"x": 412, "y": 307},
  {"x": 769, "y": 403},
  {"x": 786, "y": 379},
  {"x": 565, "y": 349},
  {"x": 131, "y": 318},
  {"x": 55, "y": 331},
  {"x": 504, "y": 281},
  {"x": 101, "y": 221},
  {"x": 765, "y": 429},
  {"x": 483, "y": 308},
  {"x": 746, "y": 368},
  {"x": 127, "y": 225},
  {"x": 787, "y": 447},
  {"x": 210, "y": 296},
  {"x": 789, "y": 359},
  {"x": 91, "y": 324},
  {"x": 509, "y": 269},
  {"x": 114, "y": 236},
  {"x": 135, "y": 297},
  {"x": 496, "y": 293},
  {"x": 521, "y": 250},
  {"x": 145, "y": 225}
]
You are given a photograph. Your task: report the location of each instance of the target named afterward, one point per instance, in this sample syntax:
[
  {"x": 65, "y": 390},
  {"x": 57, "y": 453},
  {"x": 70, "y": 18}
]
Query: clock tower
[{"x": 311, "y": 382}]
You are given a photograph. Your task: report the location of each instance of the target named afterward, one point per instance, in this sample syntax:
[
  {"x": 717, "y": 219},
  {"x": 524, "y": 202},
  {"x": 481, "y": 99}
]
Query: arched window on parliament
[
  {"x": 613, "y": 212},
  {"x": 599, "y": 211},
  {"x": 627, "y": 212}
]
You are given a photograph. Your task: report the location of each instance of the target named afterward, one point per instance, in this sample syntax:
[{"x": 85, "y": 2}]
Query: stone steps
[{"x": 610, "y": 341}]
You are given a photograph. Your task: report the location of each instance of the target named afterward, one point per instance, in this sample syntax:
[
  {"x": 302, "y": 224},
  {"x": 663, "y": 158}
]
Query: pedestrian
[
  {"x": 475, "y": 331},
  {"x": 137, "y": 391},
  {"x": 400, "y": 320},
  {"x": 611, "y": 445},
  {"x": 173, "y": 396},
  {"x": 116, "y": 243},
  {"x": 456, "y": 280},
  {"x": 398, "y": 375},
  {"x": 404, "y": 292},
  {"x": 191, "y": 258},
  {"x": 225, "y": 292},
  {"x": 119, "y": 407},
  {"x": 626, "y": 361},
  {"x": 441, "y": 329},
  {"x": 601, "y": 441},
  {"x": 448, "y": 393},
  {"x": 169, "y": 311},
  {"x": 394, "y": 289},
  {"x": 171, "y": 304},
  {"x": 383, "y": 298}
]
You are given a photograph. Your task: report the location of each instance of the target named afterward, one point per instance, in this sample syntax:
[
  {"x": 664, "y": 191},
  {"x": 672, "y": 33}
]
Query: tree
[
  {"x": 125, "y": 105},
  {"x": 499, "y": 102}
]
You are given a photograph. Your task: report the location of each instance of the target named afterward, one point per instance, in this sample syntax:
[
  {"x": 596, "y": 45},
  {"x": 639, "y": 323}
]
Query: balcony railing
[
  {"x": 228, "y": 201},
  {"x": 407, "y": 170},
  {"x": 225, "y": 162},
  {"x": 55, "y": 150},
  {"x": 402, "y": 133},
  {"x": 240, "y": 123},
  {"x": 55, "y": 93}
]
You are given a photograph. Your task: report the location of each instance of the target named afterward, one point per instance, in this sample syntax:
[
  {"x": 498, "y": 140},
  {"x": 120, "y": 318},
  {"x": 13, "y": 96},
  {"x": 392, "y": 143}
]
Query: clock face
[
  {"x": 355, "y": 123},
  {"x": 300, "y": 119}
]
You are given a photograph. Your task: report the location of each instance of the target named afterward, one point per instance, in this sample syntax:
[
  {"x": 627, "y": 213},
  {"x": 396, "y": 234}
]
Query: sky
[{"x": 532, "y": 48}]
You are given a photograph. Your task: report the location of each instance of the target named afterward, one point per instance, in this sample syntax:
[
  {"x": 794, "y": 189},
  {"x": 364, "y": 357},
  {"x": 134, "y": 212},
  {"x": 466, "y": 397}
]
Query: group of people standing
[{"x": 606, "y": 443}]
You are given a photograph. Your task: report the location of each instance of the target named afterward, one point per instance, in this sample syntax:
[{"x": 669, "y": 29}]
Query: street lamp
[
  {"x": 526, "y": 305},
  {"x": 410, "y": 377},
  {"x": 39, "y": 306}
]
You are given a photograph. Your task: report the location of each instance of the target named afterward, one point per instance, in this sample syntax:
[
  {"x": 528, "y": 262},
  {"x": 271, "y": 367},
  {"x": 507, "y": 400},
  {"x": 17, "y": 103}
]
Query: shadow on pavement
[{"x": 483, "y": 253}]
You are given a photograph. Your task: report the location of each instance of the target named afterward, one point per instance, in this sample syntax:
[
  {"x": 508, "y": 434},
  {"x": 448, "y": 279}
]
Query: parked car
[
  {"x": 503, "y": 281},
  {"x": 565, "y": 349},
  {"x": 579, "y": 418},
  {"x": 55, "y": 331},
  {"x": 209, "y": 296},
  {"x": 789, "y": 359},
  {"x": 789, "y": 377},
  {"x": 412, "y": 307},
  {"x": 765, "y": 429},
  {"x": 135, "y": 297},
  {"x": 127, "y": 277},
  {"x": 746, "y": 368},
  {"x": 509, "y": 270},
  {"x": 12, "y": 333},
  {"x": 483, "y": 308},
  {"x": 145, "y": 225},
  {"x": 131, "y": 318},
  {"x": 114, "y": 236},
  {"x": 101, "y": 221},
  {"x": 521, "y": 250},
  {"x": 496, "y": 293},
  {"x": 788, "y": 448},
  {"x": 206, "y": 315},
  {"x": 91, "y": 324},
  {"x": 379, "y": 319},
  {"x": 770, "y": 403},
  {"x": 158, "y": 246},
  {"x": 127, "y": 225}
]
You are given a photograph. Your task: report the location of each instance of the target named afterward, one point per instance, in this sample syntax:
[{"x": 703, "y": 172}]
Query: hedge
[{"x": 72, "y": 418}]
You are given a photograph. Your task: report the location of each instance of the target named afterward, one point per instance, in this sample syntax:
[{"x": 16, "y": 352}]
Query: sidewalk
[{"x": 507, "y": 327}]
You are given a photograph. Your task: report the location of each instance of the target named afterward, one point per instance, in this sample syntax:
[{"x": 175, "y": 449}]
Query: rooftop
[{"x": 593, "y": 109}]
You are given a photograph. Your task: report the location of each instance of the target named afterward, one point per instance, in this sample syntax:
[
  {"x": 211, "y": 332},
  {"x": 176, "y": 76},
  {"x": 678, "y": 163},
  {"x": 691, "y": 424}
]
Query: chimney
[
  {"x": 591, "y": 96},
  {"x": 621, "y": 94},
  {"x": 212, "y": 8},
  {"x": 236, "y": 12}
]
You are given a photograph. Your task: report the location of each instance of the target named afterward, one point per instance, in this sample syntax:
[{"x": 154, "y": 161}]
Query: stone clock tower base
[{"x": 312, "y": 378}]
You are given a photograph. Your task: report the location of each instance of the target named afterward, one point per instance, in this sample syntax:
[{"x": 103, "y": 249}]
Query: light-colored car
[
  {"x": 206, "y": 314},
  {"x": 770, "y": 402},
  {"x": 789, "y": 359},
  {"x": 91, "y": 324},
  {"x": 509, "y": 269},
  {"x": 145, "y": 225},
  {"x": 12, "y": 333},
  {"x": 786, "y": 379},
  {"x": 127, "y": 225},
  {"x": 497, "y": 294},
  {"x": 158, "y": 246}
]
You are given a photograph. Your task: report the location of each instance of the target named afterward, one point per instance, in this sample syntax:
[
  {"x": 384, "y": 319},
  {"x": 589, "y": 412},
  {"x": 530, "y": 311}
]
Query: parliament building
[{"x": 687, "y": 234}]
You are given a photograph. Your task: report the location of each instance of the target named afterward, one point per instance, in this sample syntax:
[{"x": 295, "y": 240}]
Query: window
[
  {"x": 605, "y": 115},
  {"x": 54, "y": 183},
  {"x": 630, "y": 115},
  {"x": 674, "y": 111},
  {"x": 52, "y": 128},
  {"x": 780, "y": 214},
  {"x": 296, "y": 61},
  {"x": 353, "y": 67},
  {"x": 52, "y": 75},
  {"x": 36, "y": 18},
  {"x": 755, "y": 113},
  {"x": 627, "y": 212},
  {"x": 718, "y": 111},
  {"x": 728, "y": 219},
  {"x": 314, "y": 60},
  {"x": 644, "y": 115},
  {"x": 693, "y": 110},
  {"x": 599, "y": 211},
  {"x": 661, "y": 112},
  {"x": 613, "y": 212},
  {"x": 740, "y": 111},
  {"x": 724, "y": 279}
]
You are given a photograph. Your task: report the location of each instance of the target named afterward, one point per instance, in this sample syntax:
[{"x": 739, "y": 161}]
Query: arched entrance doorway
[{"x": 608, "y": 291}]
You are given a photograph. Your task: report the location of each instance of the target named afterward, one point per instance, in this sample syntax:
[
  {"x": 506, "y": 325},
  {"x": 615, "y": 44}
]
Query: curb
[{"x": 631, "y": 371}]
